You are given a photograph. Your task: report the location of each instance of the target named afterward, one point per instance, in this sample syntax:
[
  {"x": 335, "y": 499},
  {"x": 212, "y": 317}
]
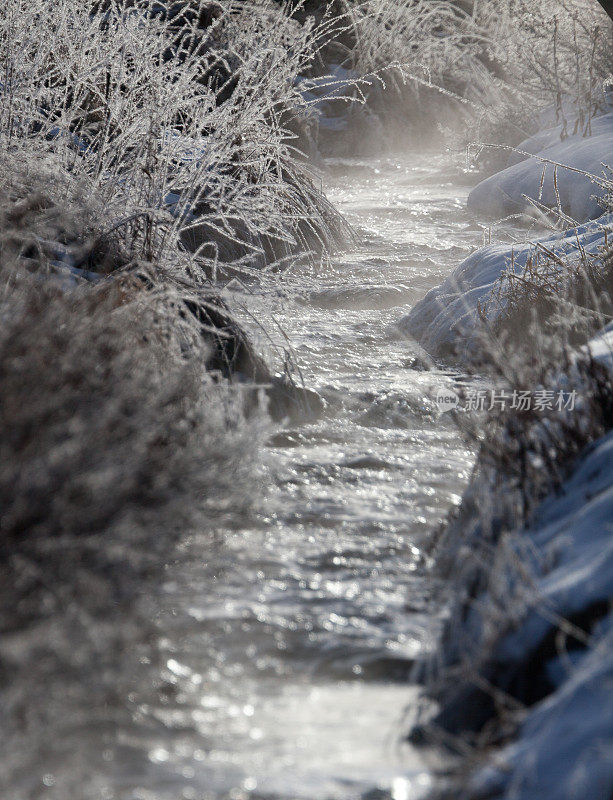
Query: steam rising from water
[
  {"x": 284, "y": 648},
  {"x": 290, "y": 643}
]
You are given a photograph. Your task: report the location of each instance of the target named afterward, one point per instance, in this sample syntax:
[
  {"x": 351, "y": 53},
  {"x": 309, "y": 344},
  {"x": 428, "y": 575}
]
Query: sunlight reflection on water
[{"x": 289, "y": 644}]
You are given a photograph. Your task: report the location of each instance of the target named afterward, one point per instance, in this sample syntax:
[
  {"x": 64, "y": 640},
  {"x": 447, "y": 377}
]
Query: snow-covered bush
[
  {"x": 414, "y": 65},
  {"x": 175, "y": 115},
  {"x": 113, "y": 441},
  {"x": 551, "y": 61},
  {"x": 550, "y": 298}
]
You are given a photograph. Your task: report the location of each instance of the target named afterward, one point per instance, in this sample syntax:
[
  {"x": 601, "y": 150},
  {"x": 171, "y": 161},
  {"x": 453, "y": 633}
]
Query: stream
[{"x": 289, "y": 643}]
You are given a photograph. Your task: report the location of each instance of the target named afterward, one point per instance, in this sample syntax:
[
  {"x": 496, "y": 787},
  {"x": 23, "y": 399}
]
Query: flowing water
[{"x": 289, "y": 643}]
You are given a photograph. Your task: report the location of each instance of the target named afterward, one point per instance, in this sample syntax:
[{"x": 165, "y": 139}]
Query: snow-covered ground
[
  {"x": 446, "y": 322},
  {"x": 564, "y": 745},
  {"x": 527, "y": 654},
  {"x": 577, "y": 187}
]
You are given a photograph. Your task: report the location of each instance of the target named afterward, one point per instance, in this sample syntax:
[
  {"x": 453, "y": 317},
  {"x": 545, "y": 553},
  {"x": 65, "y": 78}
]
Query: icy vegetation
[
  {"x": 522, "y": 676},
  {"x": 456, "y": 319},
  {"x": 114, "y": 438},
  {"x": 138, "y": 162},
  {"x": 160, "y": 156}
]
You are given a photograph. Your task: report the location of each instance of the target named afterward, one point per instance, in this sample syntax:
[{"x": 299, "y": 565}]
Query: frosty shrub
[
  {"x": 550, "y": 57},
  {"x": 551, "y": 297},
  {"x": 494, "y": 63},
  {"x": 175, "y": 116},
  {"x": 113, "y": 441}
]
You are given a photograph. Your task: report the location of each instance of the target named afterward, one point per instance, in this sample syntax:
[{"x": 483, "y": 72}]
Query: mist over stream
[
  {"x": 291, "y": 640},
  {"x": 248, "y": 263}
]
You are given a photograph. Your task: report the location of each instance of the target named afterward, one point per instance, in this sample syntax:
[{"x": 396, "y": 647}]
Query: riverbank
[
  {"x": 526, "y": 650},
  {"x": 196, "y": 599}
]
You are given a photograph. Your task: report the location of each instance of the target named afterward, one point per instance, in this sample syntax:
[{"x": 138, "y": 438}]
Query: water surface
[{"x": 290, "y": 642}]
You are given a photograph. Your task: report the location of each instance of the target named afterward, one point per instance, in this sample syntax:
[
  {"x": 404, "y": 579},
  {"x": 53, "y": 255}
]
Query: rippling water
[{"x": 289, "y": 643}]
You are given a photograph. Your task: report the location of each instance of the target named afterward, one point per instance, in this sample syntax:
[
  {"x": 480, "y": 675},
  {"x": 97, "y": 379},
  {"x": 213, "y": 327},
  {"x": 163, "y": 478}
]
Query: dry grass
[
  {"x": 114, "y": 441},
  {"x": 551, "y": 297},
  {"x": 484, "y": 555}
]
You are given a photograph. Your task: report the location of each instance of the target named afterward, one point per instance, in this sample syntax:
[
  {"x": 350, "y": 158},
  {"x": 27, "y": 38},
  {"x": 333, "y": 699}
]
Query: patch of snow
[
  {"x": 178, "y": 207},
  {"x": 601, "y": 102},
  {"x": 576, "y": 527},
  {"x": 57, "y": 134},
  {"x": 601, "y": 347},
  {"x": 74, "y": 276},
  {"x": 326, "y": 97},
  {"x": 577, "y": 194},
  {"x": 446, "y": 321},
  {"x": 543, "y": 140},
  {"x": 565, "y": 746}
]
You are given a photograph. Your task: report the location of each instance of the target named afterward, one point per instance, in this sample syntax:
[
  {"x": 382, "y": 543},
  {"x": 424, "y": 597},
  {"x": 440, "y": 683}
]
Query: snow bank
[
  {"x": 446, "y": 321},
  {"x": 565, "y": 750},
  {"x": 577, "y": 194},
  {"x": 575, "y": 526},
  {"x": 601, "y": 347},
  {"x": 524, "y": 670},
  {"x": 564, "y": 746},
  {"x": 551, "y": 131},
  {"x": 545, "y": 139}
]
